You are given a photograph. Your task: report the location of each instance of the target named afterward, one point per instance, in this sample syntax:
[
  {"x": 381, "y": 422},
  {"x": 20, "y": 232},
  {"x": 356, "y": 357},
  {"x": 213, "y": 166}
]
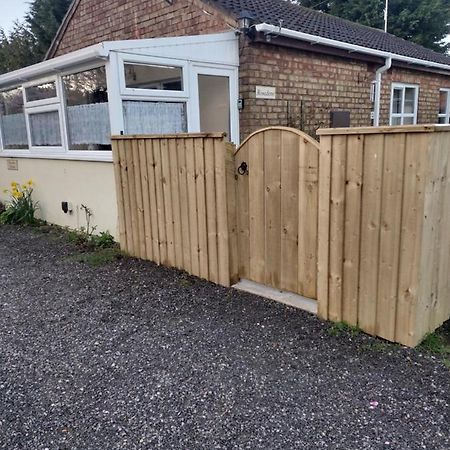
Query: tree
[
  {"x": 43, "y": 20},
  {"x": 17, "y": 48},
  {"x": 425, "y": 22}
]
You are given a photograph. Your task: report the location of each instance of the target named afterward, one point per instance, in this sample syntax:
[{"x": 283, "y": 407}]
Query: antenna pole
[{"x": 386, "y": 7}]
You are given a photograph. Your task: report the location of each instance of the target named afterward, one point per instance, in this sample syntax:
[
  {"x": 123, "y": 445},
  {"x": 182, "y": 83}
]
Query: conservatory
[{"x": 57, "y": 117}]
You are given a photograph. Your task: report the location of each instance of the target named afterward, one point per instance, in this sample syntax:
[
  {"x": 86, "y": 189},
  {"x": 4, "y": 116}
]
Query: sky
[{"x": 11, "y": 10}]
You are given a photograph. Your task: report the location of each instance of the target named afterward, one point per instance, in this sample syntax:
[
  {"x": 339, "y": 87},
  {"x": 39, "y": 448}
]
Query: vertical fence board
[
  {"x": 213, "y": 262},
  {"x": 222, "y": 218},
  {"x": 153, "y": 203},
  {"x": 160, "y": 207},
  {"x": 141, "y": 250},
  {"x": 256, "y": 207},
  {"x": 201, "y": 208},
  {"x": 145, "y": 199},
  {"x": 176, "y": 211},
  {"x": 370, "y": 231},
  {"x": 192, "y": 201},
  {"x": 167, "y": 199},
  {"x": 323, "y": 252},
  {"x": 272, "y": 170},
  {"x": 289, "y": 211},
  {"x": 352, "y": 232},
  {"x": 337, "y": 216},
  {"x": 184, "y": 205},
  {"x": 232, "y": 213},
  {"x": 308, "y": 218},
  {"x": 119, "y": 193},
  {"x": 411, "y": 234},
  {"x": 133, "y": 197},
  {"x": 390, "y": 223},
  {"x": 243, "y": 213}
]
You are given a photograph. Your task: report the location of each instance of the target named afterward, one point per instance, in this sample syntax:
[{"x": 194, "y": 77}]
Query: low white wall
[{"x": 78, "y": 182}]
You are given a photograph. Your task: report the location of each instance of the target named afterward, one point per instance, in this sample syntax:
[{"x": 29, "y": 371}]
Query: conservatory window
[
  {"x": 42, "y": 91},
  {"x": 147, "y": 117},
  {"x": 13, "y": 129},
  {"x": 87, "y": 110},
  {"x": 159, "y": 77},
  {"x": 444, "y": 106},
  {"x": 404, "y": 104},
  {"x": 45, "y": 129}
]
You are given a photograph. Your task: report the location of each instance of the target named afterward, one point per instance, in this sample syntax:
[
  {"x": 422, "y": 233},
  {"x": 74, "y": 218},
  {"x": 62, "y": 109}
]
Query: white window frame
[
  {"x": 155, "y": 94},
  {"x": 223, "y": 71},
  {"x": 45, "y": 101},
  {"x": 445, "y": 115},
  {"x": 403, "y": 115}
]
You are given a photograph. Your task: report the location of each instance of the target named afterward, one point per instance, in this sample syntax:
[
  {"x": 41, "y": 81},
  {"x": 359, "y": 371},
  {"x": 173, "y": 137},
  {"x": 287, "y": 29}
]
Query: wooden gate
[{"x": 277, "y": 209}]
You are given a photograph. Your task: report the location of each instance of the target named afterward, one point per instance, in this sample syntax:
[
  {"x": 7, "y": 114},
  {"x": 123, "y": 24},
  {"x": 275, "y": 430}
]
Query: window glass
[
  {"x": 154, "y": 117},
  {"x": 12, "y": 120},
  {"x": 396, "y": 121},
  {"x": 41, "y": 92},
  {"x": 397, "y": 101},
  {"x": 443, "y": 120},
  {"x": 144, "y": 76},
  {"x": 214, "y": 99},
  {"x": 409, "y": 100},
  {"x": 87, "y": 110},
  {"x": 45, "y": 129},
  {"x": 443, "y": 102},
  {"x": 408, "y": 121}
]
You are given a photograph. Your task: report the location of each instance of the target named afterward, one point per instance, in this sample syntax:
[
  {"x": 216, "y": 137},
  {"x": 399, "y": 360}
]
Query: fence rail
[{"x": 174, "y": 208}]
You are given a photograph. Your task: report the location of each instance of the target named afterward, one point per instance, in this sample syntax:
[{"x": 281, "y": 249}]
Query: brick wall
[
  {"x": 308, "y": 85},
  {"x": 429, "y": 85},
  {"x": 96, "y": 21}
]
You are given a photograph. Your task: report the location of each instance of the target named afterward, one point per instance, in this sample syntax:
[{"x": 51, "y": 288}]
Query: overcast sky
[{"x": 11, "y": 10}]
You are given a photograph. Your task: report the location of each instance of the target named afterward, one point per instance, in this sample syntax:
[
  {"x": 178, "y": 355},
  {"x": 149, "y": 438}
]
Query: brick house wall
[
  {"x": 308, "y": 85},
  {"x": 95, "y": 21}
]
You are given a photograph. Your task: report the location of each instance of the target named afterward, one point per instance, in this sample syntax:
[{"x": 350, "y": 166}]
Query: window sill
[{"x": 73, "y": 155}]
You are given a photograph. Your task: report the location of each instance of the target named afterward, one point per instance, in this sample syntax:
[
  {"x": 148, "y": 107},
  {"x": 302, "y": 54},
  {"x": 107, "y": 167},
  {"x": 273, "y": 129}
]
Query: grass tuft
[
  {"x": 342, "y": 328},
  {"x": 99, "y": 257}
]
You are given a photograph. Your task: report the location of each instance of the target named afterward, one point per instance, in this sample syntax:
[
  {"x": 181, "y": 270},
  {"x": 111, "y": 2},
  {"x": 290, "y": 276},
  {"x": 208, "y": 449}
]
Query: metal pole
[{"x": 386, "y": 7}]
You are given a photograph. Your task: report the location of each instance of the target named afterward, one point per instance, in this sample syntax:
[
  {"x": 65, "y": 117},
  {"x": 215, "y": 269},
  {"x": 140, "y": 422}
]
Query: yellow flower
[
  {"x": 24, "y": 186},
  {"x": 19, "y": 194},
  {"x": 13, "y": 184},
  {"x": 30, "y": 182}
]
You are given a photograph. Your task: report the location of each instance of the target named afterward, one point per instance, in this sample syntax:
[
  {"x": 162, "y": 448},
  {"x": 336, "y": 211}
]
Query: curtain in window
[
  {"x": 45, "y": 129},
  {"x": 154, "y": 117},
  {"x": 14, "y": 131},
  {"x": 89, "y": 124}
]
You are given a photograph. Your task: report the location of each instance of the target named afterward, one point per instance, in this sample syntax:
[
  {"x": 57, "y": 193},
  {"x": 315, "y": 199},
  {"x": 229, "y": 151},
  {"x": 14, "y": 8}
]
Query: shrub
[{"x": 21, "y": 208}]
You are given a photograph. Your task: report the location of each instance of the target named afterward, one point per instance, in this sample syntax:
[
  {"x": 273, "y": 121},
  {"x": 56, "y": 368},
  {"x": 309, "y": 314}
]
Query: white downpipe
[
  {"x": 277, "y": 31},
  {"x": 377, "y": 96}
]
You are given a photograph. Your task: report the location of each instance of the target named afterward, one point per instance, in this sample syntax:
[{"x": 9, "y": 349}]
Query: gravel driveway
[{"x": 135, "y": 356}]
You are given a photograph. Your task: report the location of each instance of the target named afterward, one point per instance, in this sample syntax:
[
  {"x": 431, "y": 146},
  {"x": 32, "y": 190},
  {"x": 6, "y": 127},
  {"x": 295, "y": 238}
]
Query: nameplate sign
[{"x": 267, "y": 92}]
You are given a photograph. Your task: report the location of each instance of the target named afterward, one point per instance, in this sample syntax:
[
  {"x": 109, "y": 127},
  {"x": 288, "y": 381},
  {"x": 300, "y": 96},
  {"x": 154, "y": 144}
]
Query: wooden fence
[
  {"x": 384, "y": 229},
  {"x": 176, "y": 202},
  {"x": 371, "y": 242}
]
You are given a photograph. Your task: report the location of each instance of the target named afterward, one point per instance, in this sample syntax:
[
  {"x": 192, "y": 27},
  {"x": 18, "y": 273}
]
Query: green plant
[
  {"x": 103, "y": 240},
  {"x": 340, "y": 328},
  {"x": 21, "y": 208},
  {"x": 99, "y": 257},
  {"x": 436, "y": 343}
]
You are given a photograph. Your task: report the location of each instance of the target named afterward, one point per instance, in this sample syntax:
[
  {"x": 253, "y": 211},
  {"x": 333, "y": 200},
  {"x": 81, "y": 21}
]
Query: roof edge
[
  {"x": 314, "y": 39},
  {"x": 61, "y": 30}
]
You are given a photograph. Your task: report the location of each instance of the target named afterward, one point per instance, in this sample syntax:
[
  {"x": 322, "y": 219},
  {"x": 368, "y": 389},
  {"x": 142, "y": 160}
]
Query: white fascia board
[
  {"x": 58, "y": 64},
  {"x": 272, "y": 29},
  {"x": 219, "y": 48}
]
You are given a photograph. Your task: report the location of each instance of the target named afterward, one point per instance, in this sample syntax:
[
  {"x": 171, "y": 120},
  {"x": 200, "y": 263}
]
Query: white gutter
[
  {"x": 274, "y": 30},
  {"x": 377, "y": 97},
  {"x": 58, "y": 64}
]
